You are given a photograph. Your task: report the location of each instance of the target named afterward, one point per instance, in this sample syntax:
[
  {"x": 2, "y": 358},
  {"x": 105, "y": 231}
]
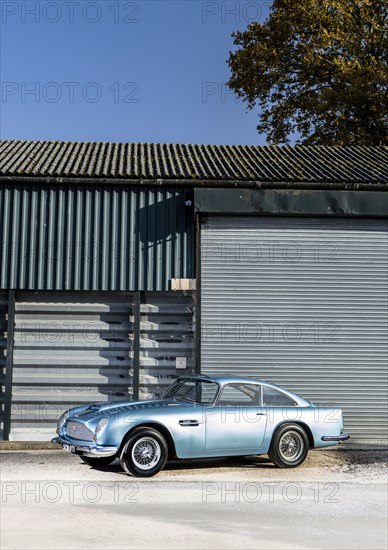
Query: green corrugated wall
[{"x": 95, "y": 237}]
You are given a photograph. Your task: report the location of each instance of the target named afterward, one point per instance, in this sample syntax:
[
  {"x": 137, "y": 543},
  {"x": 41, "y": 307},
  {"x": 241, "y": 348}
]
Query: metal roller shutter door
[{"x": 301, "y": 302}]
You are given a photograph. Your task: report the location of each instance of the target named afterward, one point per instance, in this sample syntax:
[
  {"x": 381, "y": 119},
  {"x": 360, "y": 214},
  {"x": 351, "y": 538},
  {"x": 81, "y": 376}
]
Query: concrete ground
[{"x": 336, "y": 500}]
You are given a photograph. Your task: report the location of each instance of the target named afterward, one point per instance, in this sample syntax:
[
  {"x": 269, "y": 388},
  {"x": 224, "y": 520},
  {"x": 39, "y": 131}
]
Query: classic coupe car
[{"x": 200, "y": 416}]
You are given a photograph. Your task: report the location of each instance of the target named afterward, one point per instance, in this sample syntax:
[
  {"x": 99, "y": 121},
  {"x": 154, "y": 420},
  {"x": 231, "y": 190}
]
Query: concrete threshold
[{"x": 29, "y": 446}]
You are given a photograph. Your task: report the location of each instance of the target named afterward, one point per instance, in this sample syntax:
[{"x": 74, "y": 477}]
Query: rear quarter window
[{"x": 275, "y": 398}]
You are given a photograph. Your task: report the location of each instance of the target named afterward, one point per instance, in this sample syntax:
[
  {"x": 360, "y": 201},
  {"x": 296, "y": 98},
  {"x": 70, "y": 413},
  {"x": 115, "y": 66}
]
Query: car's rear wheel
[
  {"x": 289, "y": 446},
  {"x": 98, "y": 462},
  {"x": 145, "y": 453}
]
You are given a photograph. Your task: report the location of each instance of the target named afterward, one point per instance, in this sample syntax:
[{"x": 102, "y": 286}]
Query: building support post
[
  {"x": 9, "y": 365},
  {"x": 198, "y": 314},
  {"x": 136, "y": 345}
]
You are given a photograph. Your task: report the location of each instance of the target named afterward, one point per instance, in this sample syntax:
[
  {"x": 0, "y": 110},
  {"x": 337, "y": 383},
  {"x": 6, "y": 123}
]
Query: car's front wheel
[
  {"x": 145, "y": 453},
  {"x": 98, "y": 462},
  {"x": 289, "y": 446}
]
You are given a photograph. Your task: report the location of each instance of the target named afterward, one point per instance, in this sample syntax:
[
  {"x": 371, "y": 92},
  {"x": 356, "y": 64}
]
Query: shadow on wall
[{"x": 165, "y": 227}]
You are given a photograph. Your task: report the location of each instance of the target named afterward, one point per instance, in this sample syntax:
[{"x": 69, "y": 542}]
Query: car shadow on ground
[
  {"x": 230, "y": 462},
  {"x": 317, "y": 458},
  {"x": 201, "y": 464}
]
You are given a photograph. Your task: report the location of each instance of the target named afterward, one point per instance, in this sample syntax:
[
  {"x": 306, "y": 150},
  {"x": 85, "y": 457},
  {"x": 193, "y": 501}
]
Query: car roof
[
  {"x": 230, "y": 379},
  {"x": 227, "y": 379}
]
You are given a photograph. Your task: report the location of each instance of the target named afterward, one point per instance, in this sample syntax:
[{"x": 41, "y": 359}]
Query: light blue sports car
[{"x": 199, "y": 417}]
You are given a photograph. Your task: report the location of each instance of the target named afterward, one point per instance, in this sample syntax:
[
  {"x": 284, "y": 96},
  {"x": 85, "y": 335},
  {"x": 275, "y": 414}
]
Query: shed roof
[{"x": 355, "y": 166}]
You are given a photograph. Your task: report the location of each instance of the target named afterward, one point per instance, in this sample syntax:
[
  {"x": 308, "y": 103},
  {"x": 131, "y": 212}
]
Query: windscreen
[{"x": 192, "y": 390}]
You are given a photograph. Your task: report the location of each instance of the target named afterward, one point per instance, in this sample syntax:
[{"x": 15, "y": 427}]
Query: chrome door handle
[{"x": 188, "y": 422}]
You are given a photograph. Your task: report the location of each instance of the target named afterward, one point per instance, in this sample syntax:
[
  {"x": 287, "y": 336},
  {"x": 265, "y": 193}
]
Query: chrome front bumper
[
  {"x": 86, "y": 448},
  {"x": 342, "y": 437}
]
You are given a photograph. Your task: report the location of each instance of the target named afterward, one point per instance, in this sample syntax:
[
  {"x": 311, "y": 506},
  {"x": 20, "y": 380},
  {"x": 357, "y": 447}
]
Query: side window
[
  {"x": 208, "y": 392},
  {"x": 240, "y": 394},
  {"x": 275, "y": 398}
]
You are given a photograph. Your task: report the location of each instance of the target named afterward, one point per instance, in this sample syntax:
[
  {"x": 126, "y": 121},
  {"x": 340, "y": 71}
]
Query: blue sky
[{"x": 144, "y": 71}]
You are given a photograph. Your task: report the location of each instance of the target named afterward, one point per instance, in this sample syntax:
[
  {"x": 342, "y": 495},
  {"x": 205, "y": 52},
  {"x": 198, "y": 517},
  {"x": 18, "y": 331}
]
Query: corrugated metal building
[{"x": 102, "y": 246}]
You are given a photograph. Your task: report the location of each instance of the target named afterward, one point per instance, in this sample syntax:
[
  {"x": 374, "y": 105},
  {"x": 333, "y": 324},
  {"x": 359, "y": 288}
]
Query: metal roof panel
[{"x": 220, "y": 163}]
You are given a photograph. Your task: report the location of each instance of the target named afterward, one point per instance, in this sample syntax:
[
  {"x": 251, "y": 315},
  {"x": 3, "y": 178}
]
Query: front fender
[{"x": 117, "y": 433}]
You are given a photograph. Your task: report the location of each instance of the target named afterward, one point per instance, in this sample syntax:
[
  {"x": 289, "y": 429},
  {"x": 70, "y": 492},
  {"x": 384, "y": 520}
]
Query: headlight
[
  {"x": 101, "y": 424},
  {"x": 62, "y": 419}
]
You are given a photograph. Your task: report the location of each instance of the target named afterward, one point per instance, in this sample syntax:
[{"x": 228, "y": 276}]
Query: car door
[
  {"x": 236, "y": 424},
  {"x": 187, "y": 419}
]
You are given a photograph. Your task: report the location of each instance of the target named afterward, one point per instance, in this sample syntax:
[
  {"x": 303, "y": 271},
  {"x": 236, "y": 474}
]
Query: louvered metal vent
[
  {"x": 167, "y": 332},
  {"x": 70, "y": 349}
]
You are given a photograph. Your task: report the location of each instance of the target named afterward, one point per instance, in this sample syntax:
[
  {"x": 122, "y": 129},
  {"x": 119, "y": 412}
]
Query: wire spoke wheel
[
  {"x": 291, "y": 446},
  {"x": 146, "y": 453}
]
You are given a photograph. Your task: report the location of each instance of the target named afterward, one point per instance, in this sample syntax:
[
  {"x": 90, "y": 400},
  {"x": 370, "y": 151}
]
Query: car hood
[{"x": 95, "y": 410}]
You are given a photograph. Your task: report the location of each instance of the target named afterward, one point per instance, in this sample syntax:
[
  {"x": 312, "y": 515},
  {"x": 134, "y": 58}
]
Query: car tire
[
  {"x": 98, "y": 462},
  {"x": 145, "y": 453},
  {"x": 289, "y": 446}
]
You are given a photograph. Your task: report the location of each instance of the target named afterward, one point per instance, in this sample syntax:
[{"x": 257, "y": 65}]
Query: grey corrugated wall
[{"x": 94, "y": 237}]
